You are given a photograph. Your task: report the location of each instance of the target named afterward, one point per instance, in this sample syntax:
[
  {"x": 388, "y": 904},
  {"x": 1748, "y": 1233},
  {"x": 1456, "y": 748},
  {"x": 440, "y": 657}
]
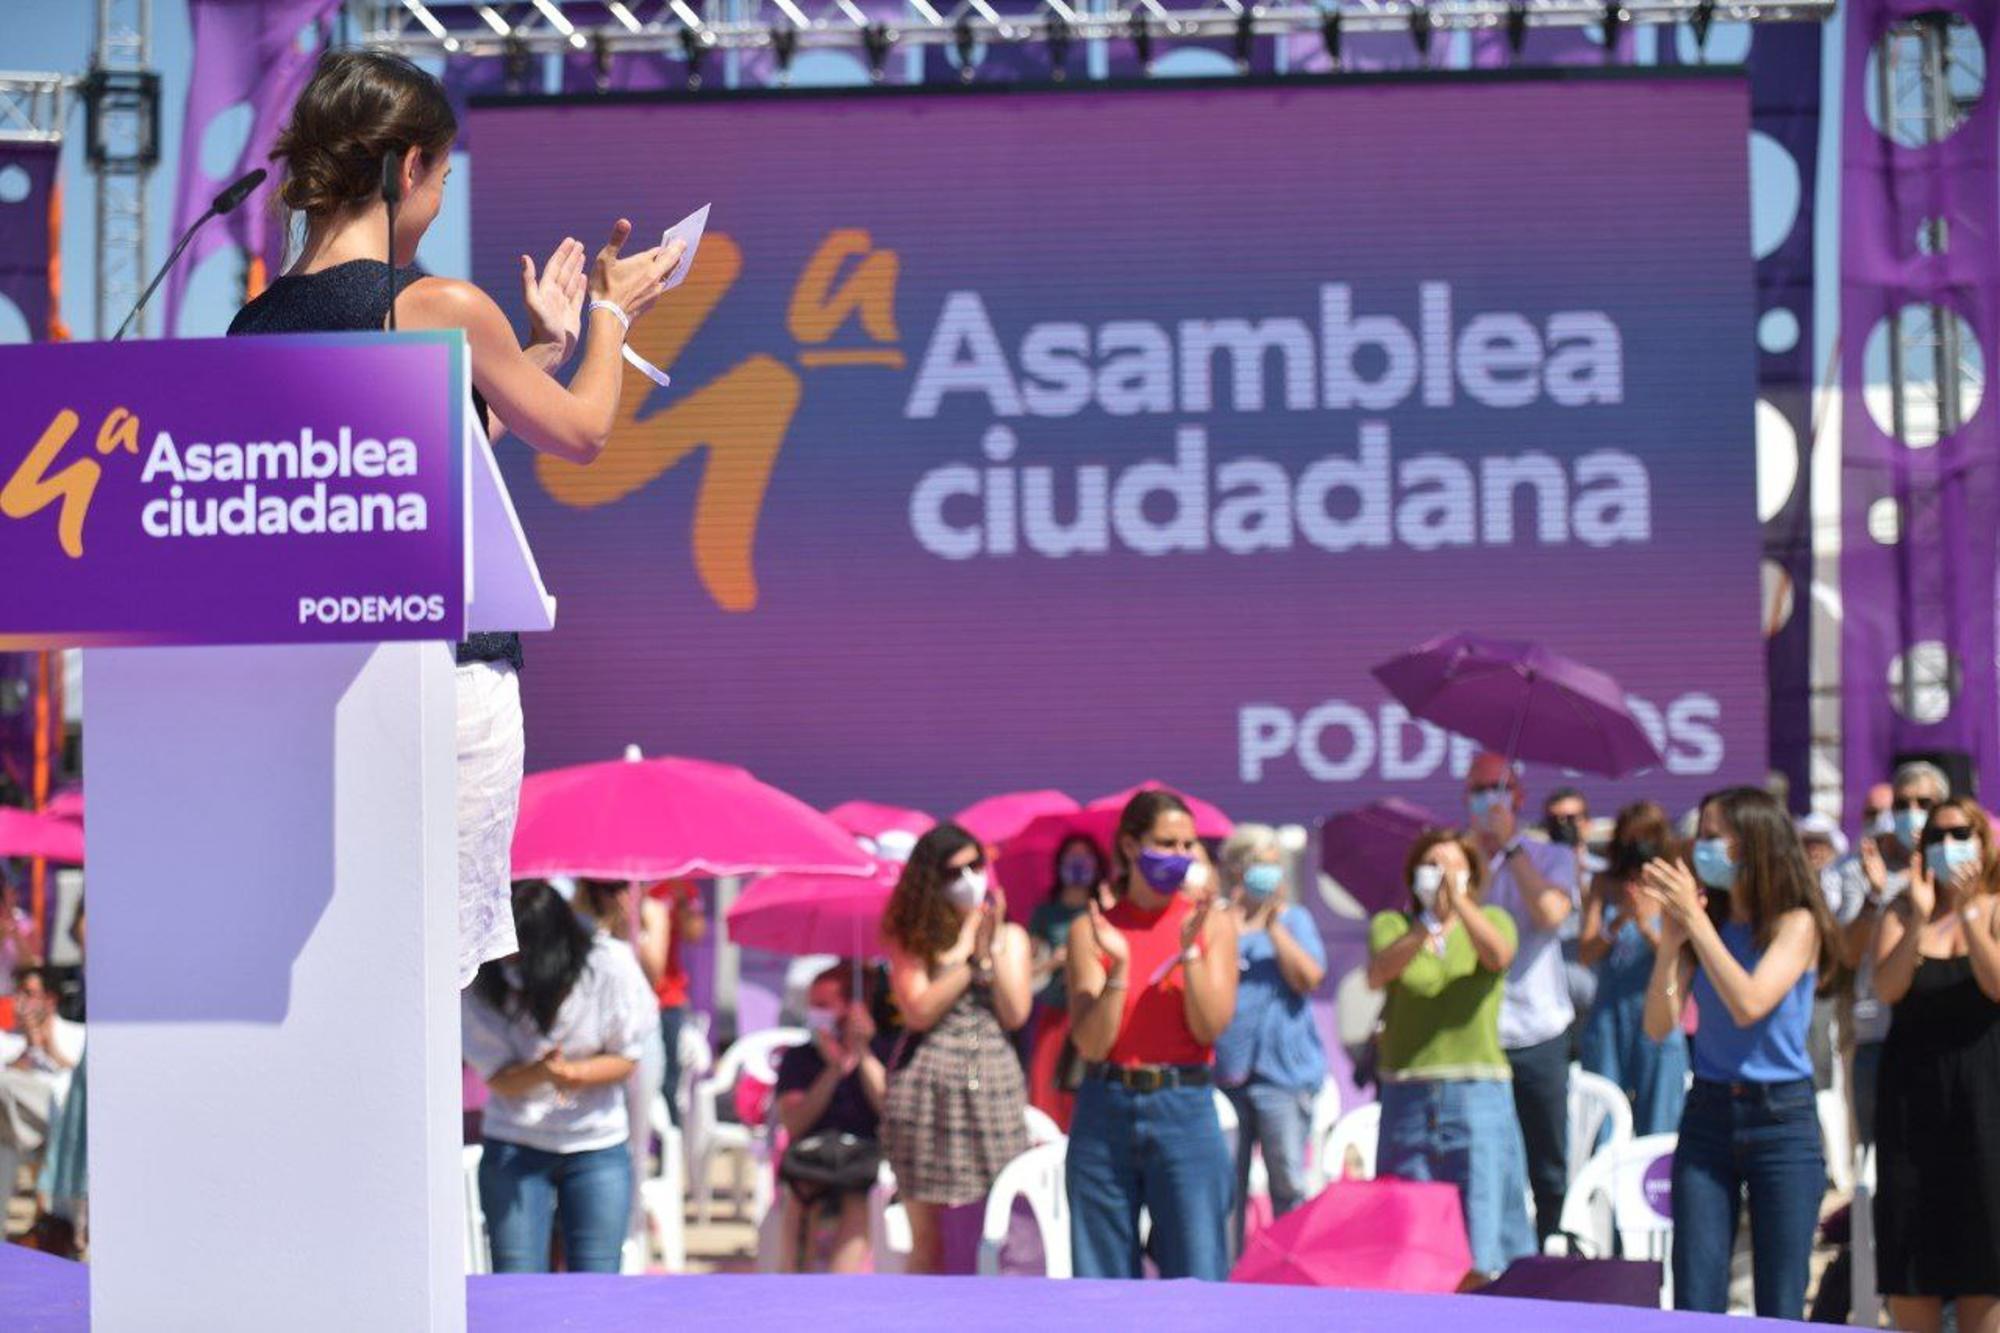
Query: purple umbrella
[
  {"x": 1365, "y": 849},
  {"x": 1522, "y": 700}
]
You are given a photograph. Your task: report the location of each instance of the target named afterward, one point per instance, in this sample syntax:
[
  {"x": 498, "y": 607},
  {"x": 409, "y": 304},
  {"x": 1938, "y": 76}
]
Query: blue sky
[{"x": 56, "y": 35}]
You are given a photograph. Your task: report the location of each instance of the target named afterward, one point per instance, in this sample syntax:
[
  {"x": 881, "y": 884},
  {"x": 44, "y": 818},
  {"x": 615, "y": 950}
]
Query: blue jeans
[
  {"x": 1161, "y": 1151},
  {"x": 1541, "y": 1103},
  {"x": 1652, "y": 1073},
  {"x": 525, "y": 1191},
  {"x": 1762, "y": 1138},
  {"x": 1277, "y": 1120},
  {"x": 671, "y": 1022},
  {"x": 1463, "y": 1132}
]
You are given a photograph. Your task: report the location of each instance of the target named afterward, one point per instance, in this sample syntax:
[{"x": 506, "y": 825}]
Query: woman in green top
[{"x": 1447, "y": 1107}]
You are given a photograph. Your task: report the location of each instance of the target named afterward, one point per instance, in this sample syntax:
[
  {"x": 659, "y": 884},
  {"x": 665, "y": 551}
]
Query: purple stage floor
[{"x": 42, "y": 1295}]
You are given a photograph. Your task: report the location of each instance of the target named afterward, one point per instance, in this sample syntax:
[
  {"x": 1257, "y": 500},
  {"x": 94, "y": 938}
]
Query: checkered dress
[{"x": 955, "y": 1113}]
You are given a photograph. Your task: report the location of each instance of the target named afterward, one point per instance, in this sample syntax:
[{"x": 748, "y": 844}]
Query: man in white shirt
[{"x": 1535, "y": 882}]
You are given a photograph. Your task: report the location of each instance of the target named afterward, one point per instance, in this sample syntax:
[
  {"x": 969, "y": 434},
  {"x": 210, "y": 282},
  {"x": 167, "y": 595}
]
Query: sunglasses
[
  {"x": 1961, "y": 834},
  {"x": 1494, "y": 789}
]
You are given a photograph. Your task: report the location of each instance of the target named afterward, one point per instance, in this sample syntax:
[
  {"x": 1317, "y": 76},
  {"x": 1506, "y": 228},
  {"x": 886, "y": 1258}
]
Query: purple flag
[
  {"x": 1917, "y": 556},
  {"x": 26, "y": 227},
  {"x": 244, "y": 51}
]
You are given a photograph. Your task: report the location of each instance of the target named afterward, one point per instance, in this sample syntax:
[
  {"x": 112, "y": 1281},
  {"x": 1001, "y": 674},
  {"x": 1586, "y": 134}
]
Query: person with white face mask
[
  {"x": 1270, "y": 1063},
  {"x": 1447, "y": 1104},
  {"x": 956, "y": 1110}
]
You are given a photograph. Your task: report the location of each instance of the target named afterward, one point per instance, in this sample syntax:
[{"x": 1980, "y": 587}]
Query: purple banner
[
  {"x": 27, "y": 224},
  {"x": 992, "y": 467},
  {"x": 246, "y": 53},
  {"x": 246, "y": 490},
  {"x": 1917, "y": 564}
]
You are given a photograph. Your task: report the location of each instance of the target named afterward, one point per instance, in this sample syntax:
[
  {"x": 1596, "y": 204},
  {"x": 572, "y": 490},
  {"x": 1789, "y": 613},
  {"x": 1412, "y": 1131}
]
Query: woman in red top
[{"x": 1152, "y": 984}]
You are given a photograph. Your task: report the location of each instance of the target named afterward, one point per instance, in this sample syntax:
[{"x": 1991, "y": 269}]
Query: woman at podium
[{"x": 366, "y": 120}]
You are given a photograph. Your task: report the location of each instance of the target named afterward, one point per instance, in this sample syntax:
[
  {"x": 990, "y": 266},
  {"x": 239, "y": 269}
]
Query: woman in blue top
[
  {"x": 1269, "y": 1061},
  {"x": 1749, "y": 950}
]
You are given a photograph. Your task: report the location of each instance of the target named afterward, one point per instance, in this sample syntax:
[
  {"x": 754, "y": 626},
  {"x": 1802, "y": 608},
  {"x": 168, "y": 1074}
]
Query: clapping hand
[
  {"x": 554, "y": 298},
  {"x": 1923, "y": 892},
  {"x": 1672, "y": 885},
  {"x": 1109, "y": 940},
  {"x": 1195, "y": 927}
]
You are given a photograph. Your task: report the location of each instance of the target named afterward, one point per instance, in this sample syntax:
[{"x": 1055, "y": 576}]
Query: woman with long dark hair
[
  {"x": 555, "y": 1032},
  {"x": 1621, "y": 931},
  {"x": 1746, "y": 933},
  {"x": 364, "y": 112},
  {"x": 956, "y": 1111},
  {"x": 1152, "y": 986},
  {"x": 1937, "y": 963}
]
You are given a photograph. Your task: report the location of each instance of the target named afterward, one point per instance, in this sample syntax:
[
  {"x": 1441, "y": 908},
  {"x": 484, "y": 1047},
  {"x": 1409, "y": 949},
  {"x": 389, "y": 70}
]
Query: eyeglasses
[
  {"x": 1492, "y": 789},
  {"x": 1921, "y": 804},
  {"x": 1963, "y": 833}
]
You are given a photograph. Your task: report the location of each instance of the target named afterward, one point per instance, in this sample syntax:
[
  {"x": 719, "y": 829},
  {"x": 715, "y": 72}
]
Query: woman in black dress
[
  {"x": 364, "y": 112},
  {"x": 1937, "y": 1211}
]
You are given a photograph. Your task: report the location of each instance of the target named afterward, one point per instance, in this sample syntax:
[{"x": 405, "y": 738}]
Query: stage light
[
  {"x": 963, "y": 43},
  {"x": 1421, "y": 24},
  {"x": 875, "y": 42},
  {"x": 1142, "y": 37},
  {"x": 784, "y": 41},
  {"x": 1246, "y": 34},
  {"x": 1058, "y": 42},
  {"x": 1614, "y": 19},
  {"x": 514, "y": 63},
  {"x": 1329, "y": 34},
  {"x": 600, "y": 60},
  {"x": 1703, "y": 19},
  {"x": 693, "y": 50},
  {"x": 1517, "y": 28}
]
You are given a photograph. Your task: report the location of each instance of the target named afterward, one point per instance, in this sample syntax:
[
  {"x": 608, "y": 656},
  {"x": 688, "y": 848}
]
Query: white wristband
[{"x": 637, "y": 362}]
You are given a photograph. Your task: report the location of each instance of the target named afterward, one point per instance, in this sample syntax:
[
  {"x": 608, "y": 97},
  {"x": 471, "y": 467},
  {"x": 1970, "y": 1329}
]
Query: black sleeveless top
[{"x": 354, "y": 297}]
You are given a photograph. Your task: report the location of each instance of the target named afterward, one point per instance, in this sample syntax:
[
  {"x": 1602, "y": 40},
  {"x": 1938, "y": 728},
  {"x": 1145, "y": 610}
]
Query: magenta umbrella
[
  {"x": 998, "y": 818},
  {"x": 640, "y": 819},
  {"x": 867, "y": 819},
  {"x": 1375, "y": 1235},
  {"x": 1523, "y": 701},
  {"x": 1365, "y": 849},
  {"x": 801, "y": 914},
  {"x": 30, "y": 836},
  {"x": 67, "y": 804}
]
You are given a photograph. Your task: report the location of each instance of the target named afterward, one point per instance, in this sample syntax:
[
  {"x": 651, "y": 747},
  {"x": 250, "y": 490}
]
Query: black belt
[{"x": 1151, "y": 1078}]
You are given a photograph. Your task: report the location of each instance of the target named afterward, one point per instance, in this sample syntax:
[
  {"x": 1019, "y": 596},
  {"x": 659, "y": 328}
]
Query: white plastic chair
[
  {"x": 1037, "y": 1176},
  {"x": 1837, "y": 1135},
  {"x": 1866, "y": 1307},
  {"x": 663, "y": 1195},
  {"x": 1042, "y": 1128},
  {"x": 1325, "y": 1115},
  {"x": 1609, "y": 1211},
  {"x": 478, "y": 1249},
  {"x": 1595, "y": 1102},
  {"x": 1359, "y": 1132},
  {"x": 710, "y": 1137}
]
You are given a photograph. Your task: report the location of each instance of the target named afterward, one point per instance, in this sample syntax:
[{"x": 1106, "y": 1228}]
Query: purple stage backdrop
[{"x": 1026, "y": 439}]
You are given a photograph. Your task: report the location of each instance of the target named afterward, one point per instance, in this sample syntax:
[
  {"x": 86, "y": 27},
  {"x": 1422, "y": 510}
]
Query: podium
[{"x": 270, "y": 749}]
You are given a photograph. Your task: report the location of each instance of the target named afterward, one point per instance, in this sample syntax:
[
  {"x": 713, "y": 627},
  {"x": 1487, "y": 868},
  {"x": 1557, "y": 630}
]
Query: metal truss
[
  {"x": 431, "y": 28},
  {"x": 32, "y": 107},
  {"x": 122, "y": 93}
]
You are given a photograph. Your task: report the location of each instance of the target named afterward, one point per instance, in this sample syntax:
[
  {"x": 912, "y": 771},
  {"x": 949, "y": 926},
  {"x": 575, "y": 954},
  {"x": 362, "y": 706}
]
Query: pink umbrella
[
  {"x": 801, "y": 914},
  {"x": 28, "y": 836},
  {"x": 647, "y": 819},
  {"x": 65, "y": 805},
  {"x": 866, "y": 819},
  {"x": 1027, "y": 862},
  {"x": 1378, "y": 1235},
  {"x": 998, "y": 818}
]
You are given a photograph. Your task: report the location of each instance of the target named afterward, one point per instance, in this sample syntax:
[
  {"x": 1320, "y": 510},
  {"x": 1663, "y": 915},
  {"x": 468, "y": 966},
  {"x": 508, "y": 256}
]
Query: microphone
[
  {"x": 226, "y": 202},
  {"x": 392, "y": 194}
]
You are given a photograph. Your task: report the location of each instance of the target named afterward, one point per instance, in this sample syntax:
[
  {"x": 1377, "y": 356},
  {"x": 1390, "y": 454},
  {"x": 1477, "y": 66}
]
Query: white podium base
[{"x": 273, "y": 1042}]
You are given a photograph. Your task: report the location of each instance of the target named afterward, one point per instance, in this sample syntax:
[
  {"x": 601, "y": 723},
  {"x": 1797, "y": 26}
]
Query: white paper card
[{"x": 689, "y": 230}]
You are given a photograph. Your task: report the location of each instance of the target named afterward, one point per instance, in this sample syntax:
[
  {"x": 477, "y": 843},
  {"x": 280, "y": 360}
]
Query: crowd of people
[{"x": 1698, "y": 965}]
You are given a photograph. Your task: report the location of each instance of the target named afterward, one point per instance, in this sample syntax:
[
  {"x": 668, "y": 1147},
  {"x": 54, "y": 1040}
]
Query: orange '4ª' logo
[{"x": 742, "y": 415}]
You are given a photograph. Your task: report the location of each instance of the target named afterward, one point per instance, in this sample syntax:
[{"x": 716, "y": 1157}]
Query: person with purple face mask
[
  {"x": 1152, "y": 986},
  {"x": 1535, "y": 883}
]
